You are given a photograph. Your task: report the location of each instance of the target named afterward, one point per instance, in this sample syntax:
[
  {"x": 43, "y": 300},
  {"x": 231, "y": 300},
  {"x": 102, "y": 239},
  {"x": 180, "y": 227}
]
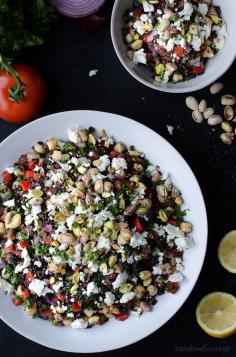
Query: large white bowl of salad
[
  {"x": 103, "y": 231},
  {"x": 174, "y": 45}
]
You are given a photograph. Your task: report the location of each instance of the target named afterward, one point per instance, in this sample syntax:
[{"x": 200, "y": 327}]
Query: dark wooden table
[{"x": 65, "y": 61}]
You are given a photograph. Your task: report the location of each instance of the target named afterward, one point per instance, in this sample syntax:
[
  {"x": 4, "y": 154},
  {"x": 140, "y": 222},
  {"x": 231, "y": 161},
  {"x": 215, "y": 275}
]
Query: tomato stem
[{"x": 16, "y": 92}]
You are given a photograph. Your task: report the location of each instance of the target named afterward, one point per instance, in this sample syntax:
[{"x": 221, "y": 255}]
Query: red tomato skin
[
  {"x": 25, "y": 185},
  {"x": 31, "y": 165},
  {"x": 76, "y": 307},
  {"x": 122, "y": 317},
  {"x": 138, "y": 225},
  {"x": 7, "y": 178},
  {"x": 29, "y": 174},
  {"x": 29, "y": 276},
  {"x": 17, "y": 301},
  {"x": 46, "y": 314},
  {"x": 25, "y": 294},
  {"x": 24, "y": 244},
  {"x": 34, "y": 94}
]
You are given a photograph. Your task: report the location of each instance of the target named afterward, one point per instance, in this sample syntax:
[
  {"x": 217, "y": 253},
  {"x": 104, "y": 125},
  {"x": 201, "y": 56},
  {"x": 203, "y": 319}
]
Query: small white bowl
[{"x": 215, "y": 68}]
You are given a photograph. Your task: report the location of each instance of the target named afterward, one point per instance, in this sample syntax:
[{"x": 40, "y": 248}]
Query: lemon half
[
  {"x": 227, "y": 252},
  {"x": 216, "y": 314}
]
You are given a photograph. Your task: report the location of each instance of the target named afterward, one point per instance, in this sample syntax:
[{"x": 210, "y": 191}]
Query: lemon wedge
[
  {"x": 227, "y": 252},
  {"x": 216, "y": 314}
]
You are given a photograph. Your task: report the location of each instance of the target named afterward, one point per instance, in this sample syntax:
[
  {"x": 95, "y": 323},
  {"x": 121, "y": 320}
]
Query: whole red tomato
[{"x": 33, "y": 94}]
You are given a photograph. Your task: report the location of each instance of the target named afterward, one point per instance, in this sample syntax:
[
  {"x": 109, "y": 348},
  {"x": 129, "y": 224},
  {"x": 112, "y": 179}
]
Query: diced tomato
[
  {"x": 17, "y": 300},
  {"x": 47, "y": 314},
  {"x": 47, "y": 240},
  {"x": 7, "y": 178},
  {"x": 29, "y": 174},
  {"x": 61, "y": 297},
  {"x": 9, "y": 249},
  {"x": 29, "y": 276},
  {"x": 138, "y": 225},
  {"x": 122, "y": 317},
  {"x": 114, "y": 153},
  {"x": 25, "y": 294},
  {"x": 25, "y": 185},
  {"x": 198, "y": 69},
  {"x": 179, "y": 51},
  {"x": 24, "y": 243},
  {"x": 76, "y": 307},
  {"x": 172, "y": 221},
  {"x": 31, "y": 165}
]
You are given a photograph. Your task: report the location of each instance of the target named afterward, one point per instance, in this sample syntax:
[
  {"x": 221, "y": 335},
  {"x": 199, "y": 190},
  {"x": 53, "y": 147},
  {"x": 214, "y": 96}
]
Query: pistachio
[
  {"x": 145, "y": 274},
  {"x": 202, "y": 106},
  {"x": 103, "y": 268},
  {"x": 197, "y": 116},
  {"x": 5, "y": 274},
  {"x": 145, "y": 306},
  {"x": 83, "y": 135},
  {"x": 112, "y": 260},
  {"x": 216, "y": 87},
  {"x": 108, "y": 186},
  {"x": 55, "y": 268},
  {"x": 52, "y": 280},
  {"x": 171, "y": 67},
  {"x": 192, "y": 103},
  {"x": 138, "y": 167},
  {"x": 74, "y": 289},
  {"x": 228, "y": 112},
  {"x": 208, "y": 113},
  {"x": 193, "y": 29},
  {"x": 226, "y": 127},
  {"x": 156, "y": 176},
  {"x": 75, "y": 277},
  {"x": 130, "y": 210},
  {"x": 163, "y": 25},
  {"x": 32, "y": 310},
  {"x": 37, "y": 193},
  {"x": 163, "y": 216},
  {"x": 33, "y": 156},
  {"x": 177, "y": 77},
  {"x": 179, "y": 201},
  {"x": 36, "y": 201},
  {"x": 66, "y": 238},
  {"x": 147, "y": 282},
  {"x": 214, "y": 120},
  {"x": 67, "y": 322},
  {"x": 39, "y": 148},
  {"x": 119, "y": 147},
  {"x": 2, "y": 228},
  {"x": 56, "y": 155},
  {"x": 139, "y": 291},
  {"x": 124, "y": 237},
  {"x": 125, "y": 288},
  {"x": 207, "y": 52},
  {"x": 228, "y": 99},
  {"x": 227, "y": 138},
  {"x": 12, "y": 221},
  {"x": 136, "y": 45},
  {"x": 152, "y": 290},
  {"x": 142, "y": 210},
  {"x": 186, "y": 227},
  {"x": 91, "y": 139},
  {"x": 51, "y": 143},
  {"x": 92, "y": 320},
  {"x": 146, "y": 202},
  {"x": 98, "y": 186},
  {"x": 167, "y": 269},
  {"x": 134, "y": 178}
]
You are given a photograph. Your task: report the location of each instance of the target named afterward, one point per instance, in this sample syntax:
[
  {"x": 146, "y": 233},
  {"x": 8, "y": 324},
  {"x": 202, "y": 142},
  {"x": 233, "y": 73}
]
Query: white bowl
[
  {"x": 215, "y": 68},
  {"x": 113, "y": 334}
]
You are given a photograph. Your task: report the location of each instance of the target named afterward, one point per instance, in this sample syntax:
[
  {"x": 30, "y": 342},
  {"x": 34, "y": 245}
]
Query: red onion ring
[{"x": 77, "y": 8}]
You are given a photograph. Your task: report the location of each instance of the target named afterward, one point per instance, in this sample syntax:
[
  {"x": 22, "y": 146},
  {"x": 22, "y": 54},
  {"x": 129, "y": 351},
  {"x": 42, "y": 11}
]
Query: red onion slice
[{"x": 77, "y": 8}]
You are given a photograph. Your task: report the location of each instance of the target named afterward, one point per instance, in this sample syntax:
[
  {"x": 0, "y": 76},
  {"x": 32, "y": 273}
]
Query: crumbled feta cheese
[
  {"x": 166, "y": 77},
  {"x": 38, "y": 263},
  {"x": 120, "y": 279},
  {"x": 187, "y": 11},
  {"x": 70, "y": 314},
  {"x": 93, "y": 72},
  {"x": 76, "y": 258},
  {"x": 37, "y": 286},
  {"x": 147, "y": 7},
  {"x": 157, "y": 269},
  {"x": 70, "y": 221},
  {"x": 119, "y": 163},
  {"x": 183, "y": 243},
  {"x": 10, "y": 203},
  {"x": 8, "y": 243},
  {"x": 93, "y": 266},
  {"x": 136, "y": 313},
  {"x": 10, "y": 170},
  {"x": 79, "y": 323},
  {"x": 73, "y": 136},
  {"x": 138, "y": 26},
  {"x": 65, "y": 167},
  {"x": 202, "y": 9},
  {"x": 103, "y": 243},
  {"x": 173, "y": 231},
  {"x": 63, "y": 246},
  {"x": 130, "y": 260},
  {"x": 170, "y": 129},
  {"x": 196, "y": 43},
  {"x": 170, "y": 44},
  {"x": 52, "y": 250},
  {"x": 56, "y": 287},
  {"x": 175, "y": 277},
  {"x": 109, "y": 298},
  {"x": 103, "y": 163},
  {"x": 151, "y": 169},
  {"x": 137, "y": 240},
  {"x": 36, "y": 210},
  {"x": 101, "y": 217},
  {"x": 26, "y": 263},
  {"x": 140, "y": 56},
  {"x": 91, "y": 288},
  {"x": 127, "y": 297},
  {"x": 6, "y": 287},
  {"x": 144, "y": 17}
]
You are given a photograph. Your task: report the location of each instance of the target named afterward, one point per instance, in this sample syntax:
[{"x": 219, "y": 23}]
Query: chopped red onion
[{"x": 77, "y": 8}]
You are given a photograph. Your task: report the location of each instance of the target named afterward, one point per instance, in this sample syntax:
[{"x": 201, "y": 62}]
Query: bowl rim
[
  {"x": 43, "y": 119},
  {"x": 193, "y": 88}
]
